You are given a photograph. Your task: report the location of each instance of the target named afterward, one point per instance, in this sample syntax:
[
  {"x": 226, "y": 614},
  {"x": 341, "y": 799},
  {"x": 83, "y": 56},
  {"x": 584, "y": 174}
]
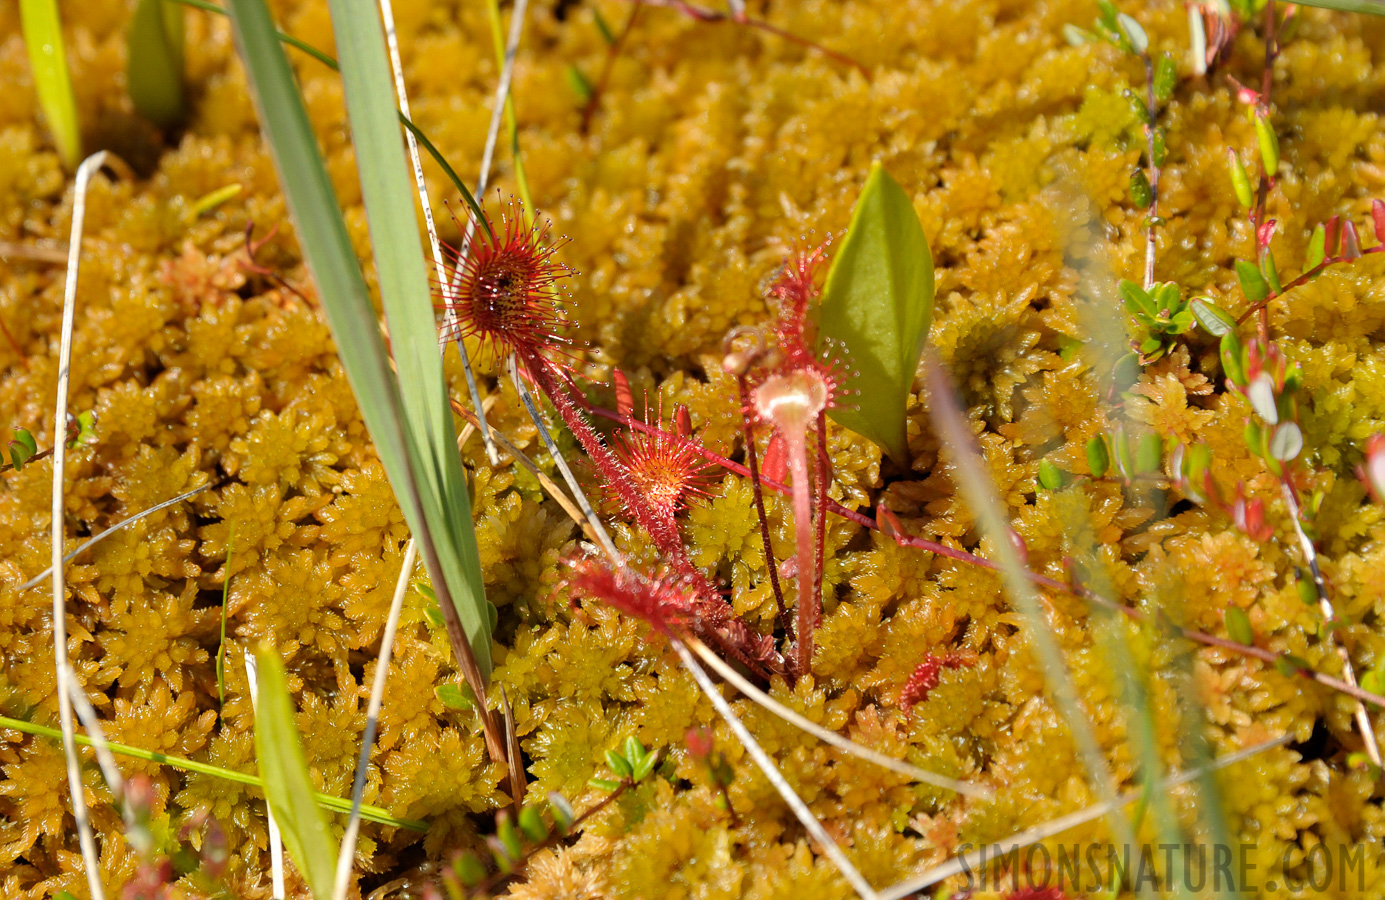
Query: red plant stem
[
  {"x": 808, "y": 607},
  {"x": 1303, "y": 279},
  {"x": 819, "y": 508},
  {"x": 752, "y": 458}
]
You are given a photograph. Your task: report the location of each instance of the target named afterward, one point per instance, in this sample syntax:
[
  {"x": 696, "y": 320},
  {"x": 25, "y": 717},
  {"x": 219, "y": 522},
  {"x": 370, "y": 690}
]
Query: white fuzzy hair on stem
[{"x": 63, "y": 671}]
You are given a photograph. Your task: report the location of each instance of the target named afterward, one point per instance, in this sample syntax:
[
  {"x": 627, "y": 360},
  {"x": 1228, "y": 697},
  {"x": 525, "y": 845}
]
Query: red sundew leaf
[
  {"x": 625, "y": 399},
  {"x": 776, "y": 462},
  {"x": 682, "y": 421}
]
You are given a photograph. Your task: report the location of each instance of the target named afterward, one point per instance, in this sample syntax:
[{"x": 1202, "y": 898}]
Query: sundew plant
[{"x": 643, "y": 449}]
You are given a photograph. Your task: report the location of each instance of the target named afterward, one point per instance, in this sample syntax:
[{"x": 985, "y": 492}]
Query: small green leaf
[
  {"x": 212, "y": 199},
  {"x": 451, "y": 696},
  {"x": 1269, "y": 143},
  {"x": 1125, "y": 458},
  {"x": 1165, "y": 78},
  {"x": 1307, "y": 592},
  {"x": 1098, "y": 456},
  {"x": 1317, "y": 249},
  {"x": 563, "y": 813},
  {"x": 1050, "y": 476},
  {"x": 1370, "y": 7},
  {"x": 469, "y": 869},
  {"x": 1137, "y": 301},
  {"x": 86, "y": 428},
  {"x": 1270, "y": 271},
  {"x": 1075, "y": 36},
  {"x": 877, "y": 303},
  {"x": 1149, "y": 455},
  {"x": 26, "y": 440},
  {"x": 634, "y": 750},
  {"x": 604, "y": 784},
  {"x": 1233, "y": 358},
  {"x": 532, "y": 824},
  {"x": 287, "y": 787},
  {"x": 1238, "y": 626},
  {"x": 619, "y": 764},
  {"x": 509, "y": 835},
  {"x": 1141, "y": 193},
  {"x": 1240, "y": 181},
  {"x": 1254, "y": 285},
  {"x": 644, "y": 767},
  {"x": 1212, "y": 317},
  {"x": 154, "y": 72},
  {"x": 607, "y": 34}
]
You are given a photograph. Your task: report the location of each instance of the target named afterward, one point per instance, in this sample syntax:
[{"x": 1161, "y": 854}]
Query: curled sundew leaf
[
  {"x": 287, "y": 787},
  {"x": 878, "y": 304},
  {"x": 155, "y": 69}
]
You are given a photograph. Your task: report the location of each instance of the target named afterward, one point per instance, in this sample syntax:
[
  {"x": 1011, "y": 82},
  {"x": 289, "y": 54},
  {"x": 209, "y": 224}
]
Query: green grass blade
[
  {"x": 877, "y": 304},
  {"x": 48, "y": 59},
  {"x": 1371, "y": 7},
  {"x": 287, "y": 787},
  {"x": 326, "y": 801},
  {"x": 511, "y": 120},
  {"x": 403, "y": 276},
  {"x": 980, "y": 493},
  {"x": 155, "y": 68},
  {"x": 331, "y": 63}
]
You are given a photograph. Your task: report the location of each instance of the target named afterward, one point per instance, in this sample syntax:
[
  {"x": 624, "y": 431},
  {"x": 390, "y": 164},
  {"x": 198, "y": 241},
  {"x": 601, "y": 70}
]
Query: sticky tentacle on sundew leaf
[{"x": 877, "y": 304}]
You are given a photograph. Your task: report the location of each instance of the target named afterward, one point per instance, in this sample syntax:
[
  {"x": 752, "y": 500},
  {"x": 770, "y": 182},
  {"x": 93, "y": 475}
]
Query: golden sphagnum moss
[{"x": 714, "y": 149}]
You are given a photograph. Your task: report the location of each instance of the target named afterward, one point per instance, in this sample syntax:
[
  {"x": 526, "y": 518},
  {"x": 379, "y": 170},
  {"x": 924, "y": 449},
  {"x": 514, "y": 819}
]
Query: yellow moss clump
[{"x": 712, "y": 151}]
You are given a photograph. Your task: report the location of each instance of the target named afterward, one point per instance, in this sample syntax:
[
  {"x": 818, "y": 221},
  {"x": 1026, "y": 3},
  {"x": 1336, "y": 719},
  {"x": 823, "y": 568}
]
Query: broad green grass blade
[
  {"x": 287, "y": 787},
  {"x": 48, "y": 59},
  {"x": 425, "y": 422},
  {"x": 1371, "y": 7},
  {"x": 155, "y": 68},
  {"x": 389, "y": 202},
  {"x": 331, "y": 63},
  {"x": 877, "y": 304}
]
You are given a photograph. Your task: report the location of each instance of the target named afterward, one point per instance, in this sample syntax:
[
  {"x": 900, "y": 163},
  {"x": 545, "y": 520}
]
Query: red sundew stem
[
  {"x": 612, "y": 53},
  {"x": 820, "y": 513},
  {"x": 807, "y": 606},
  {"x": 752, "y": 458},
  {"x": 1200, "y": 637}
]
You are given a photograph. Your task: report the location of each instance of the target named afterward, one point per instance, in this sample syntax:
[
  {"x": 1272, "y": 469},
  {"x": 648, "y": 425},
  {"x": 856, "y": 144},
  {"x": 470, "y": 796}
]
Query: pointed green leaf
[
  {"x": 1254, "y": 285},
  {"x": 154, "y": 72},
  {"x": 1136, "y": 299},
  {"x": 1317, "y": 249},
  {"x": 532, "y": 824},
  {"x": 1212, "y": 317},
  {"x": 619, "y": 764},
  {"x": 877, "y": 304},
  {"x": 1238, "y": 626},
  {"x": 287, "y": 787},
  {"x": 1098, "y": 456}
]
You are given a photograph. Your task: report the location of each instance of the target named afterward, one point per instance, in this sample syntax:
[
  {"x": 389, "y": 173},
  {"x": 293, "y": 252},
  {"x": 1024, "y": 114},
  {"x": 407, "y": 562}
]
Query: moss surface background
[{"x": 715, "y": 149}]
